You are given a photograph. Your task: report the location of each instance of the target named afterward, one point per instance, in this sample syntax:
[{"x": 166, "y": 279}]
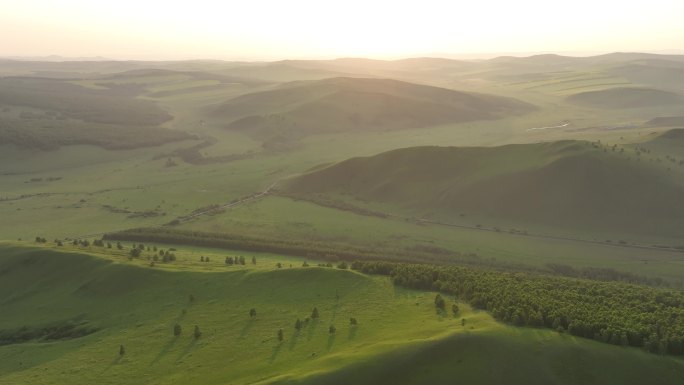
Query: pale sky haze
[{"x": 265, "y": 29}]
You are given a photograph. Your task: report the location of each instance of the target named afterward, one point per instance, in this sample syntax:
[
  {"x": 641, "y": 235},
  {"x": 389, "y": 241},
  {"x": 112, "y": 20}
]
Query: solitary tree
[
  {"x": 197, "y": 333},
  {"x": 462, "y": 321},
  {"x": 253, "y": 260},
  {"x": 353, "y": 321},
  {"x": 252, "y": 313},
  {"x": 176, "y": 330},
  {"x": 119, "y": 246},
  {"x": 454, "y": 309},
  {"x": 314, "y": 313},
  {"x": 332, "y": 329},
  {"x": 122, "y": 350},
  {"x": 280, "y": 335},
  {"x": 298, "y": 324}
]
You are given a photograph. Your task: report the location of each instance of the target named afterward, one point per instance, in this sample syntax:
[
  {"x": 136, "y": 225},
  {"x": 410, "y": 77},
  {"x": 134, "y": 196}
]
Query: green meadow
[
  {"x": 508, "y": 164},
  {"x": 137, "y": 306}
]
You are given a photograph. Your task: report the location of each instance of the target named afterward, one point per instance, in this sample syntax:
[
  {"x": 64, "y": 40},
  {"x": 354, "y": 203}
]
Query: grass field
[
  {"x": 84, "y": 191},
  {"x": 137, "y": 306}
]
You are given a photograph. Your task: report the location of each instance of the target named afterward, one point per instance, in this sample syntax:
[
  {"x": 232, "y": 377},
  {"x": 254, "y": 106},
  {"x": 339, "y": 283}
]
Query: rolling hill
[
  {"x": 66, "y": 313},
  {"x": 568, "y": 184},
  {"x": 665, "y": 121},
  {"x": 669, "y": 143},
  {"x": 358, "y": 104},
  {"x": 625, "y": 97}
]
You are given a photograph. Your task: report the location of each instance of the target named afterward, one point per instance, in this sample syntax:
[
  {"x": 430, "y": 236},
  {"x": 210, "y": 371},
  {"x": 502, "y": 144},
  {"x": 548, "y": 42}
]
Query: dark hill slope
[
  {"x": 626, "y": 97},
  {"x": 670, "y": 143},
  {"x": 564, "y": 184},
  {"x": 340, "y": 104}
]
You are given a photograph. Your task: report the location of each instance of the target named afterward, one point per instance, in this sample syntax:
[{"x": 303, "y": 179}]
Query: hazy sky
[{"x": 265, "y": 29}]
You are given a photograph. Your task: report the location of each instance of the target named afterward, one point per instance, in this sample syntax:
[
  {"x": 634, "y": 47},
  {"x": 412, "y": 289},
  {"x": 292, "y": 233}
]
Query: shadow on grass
[
  {"x": 164, "y": 350},
  {"x": 334, "y": 310},
  {"x": 187, "y": 350},
  {"x": 311, "y": 329},
  {"x": 247, "y": 327},
  {"x": 352, "y": 332},
  {"x": 182, "y": 315},
  {"x": 293, "y": 340},
  {"x": 116, "y": 361},
  {"x": 331, "y": 340},
  {"x": 274, "y": 353}
]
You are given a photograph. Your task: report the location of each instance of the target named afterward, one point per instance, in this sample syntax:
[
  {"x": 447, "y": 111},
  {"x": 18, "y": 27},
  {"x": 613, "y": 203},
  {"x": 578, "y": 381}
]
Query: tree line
[
  {"x": 330, "y": 251},
  {"x": 612, "y": 312}
]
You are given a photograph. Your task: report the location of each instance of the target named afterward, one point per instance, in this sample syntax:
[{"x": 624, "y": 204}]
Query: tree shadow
[
  {"x": 116, "y": 361},
  {"x": 187, "y": 350},
  {"x": 274, "y": 353},
  {"x": 311, "y": 329},
  {"x": 352, "y": 332},
  {"x": 331, "y": 340},
  {"x": 182, "y": 315},
  {"x": 164, "y": 350},
  {"x": 247, "y": 327},
  {"x": 293, "y": 340},
  {"x": 334, "y": 310}
]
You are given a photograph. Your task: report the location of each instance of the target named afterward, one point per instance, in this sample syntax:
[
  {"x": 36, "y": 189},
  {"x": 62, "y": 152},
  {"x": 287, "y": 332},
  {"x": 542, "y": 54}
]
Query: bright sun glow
[{"x": 261, "y": 29}]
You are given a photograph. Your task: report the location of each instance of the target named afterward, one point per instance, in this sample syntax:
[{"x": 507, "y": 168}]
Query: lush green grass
[{"x": 400, "y": 337}]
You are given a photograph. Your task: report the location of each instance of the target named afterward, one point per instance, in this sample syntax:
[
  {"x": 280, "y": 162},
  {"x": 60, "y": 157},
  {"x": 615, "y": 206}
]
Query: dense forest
[
  {"x": 48, "y": 134},
  {"x": 611, "y": 312},
  {"x": 108, "y": 104}
]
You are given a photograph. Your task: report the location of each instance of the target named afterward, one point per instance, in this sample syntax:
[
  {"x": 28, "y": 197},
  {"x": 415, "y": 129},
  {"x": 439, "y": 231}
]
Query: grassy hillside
[
  {"x": 138, "y": 306},
  {"x": 625, "y": 97},
  {"x": 665, "y": 121},
  {"x": 669, "y": 145},
  {"x": 343, "y": 104},
  {"x": 564, "y": 184}
]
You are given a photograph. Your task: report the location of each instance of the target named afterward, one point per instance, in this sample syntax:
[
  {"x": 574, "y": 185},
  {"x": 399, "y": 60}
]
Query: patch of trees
[
  {"x": 611, "y": 312},
  {"x": 108, "y": 106},
  {"x": 52, "y": 134},
  {"x": 239, "y": 260},
  {"x": 337, "y": 252},
  {"x": 296, "y": 247}
]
